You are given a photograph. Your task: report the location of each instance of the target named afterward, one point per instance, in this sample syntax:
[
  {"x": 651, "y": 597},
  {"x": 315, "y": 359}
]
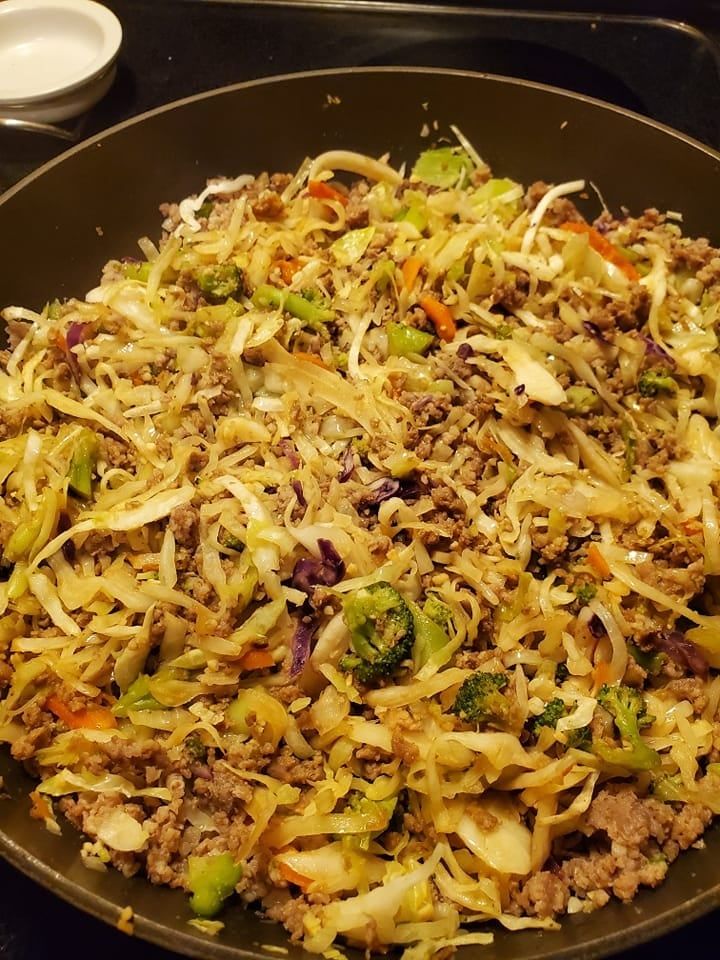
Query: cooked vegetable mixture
[{"x": 361, "y": 558}]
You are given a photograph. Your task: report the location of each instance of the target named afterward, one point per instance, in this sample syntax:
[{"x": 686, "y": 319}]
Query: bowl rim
[
  {"x": 111, "y": 40},
  {"x": 193, "y": 944}
]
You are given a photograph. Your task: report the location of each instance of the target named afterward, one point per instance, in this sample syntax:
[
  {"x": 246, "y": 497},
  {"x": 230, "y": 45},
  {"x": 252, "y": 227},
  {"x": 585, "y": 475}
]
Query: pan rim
[
  {"x": 98, "y": 138},
  {"x": 193, "y": 944}
]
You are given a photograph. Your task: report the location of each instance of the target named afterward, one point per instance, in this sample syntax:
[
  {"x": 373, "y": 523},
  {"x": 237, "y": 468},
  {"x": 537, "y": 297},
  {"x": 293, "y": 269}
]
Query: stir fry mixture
[{"x": 361, "y": 553}]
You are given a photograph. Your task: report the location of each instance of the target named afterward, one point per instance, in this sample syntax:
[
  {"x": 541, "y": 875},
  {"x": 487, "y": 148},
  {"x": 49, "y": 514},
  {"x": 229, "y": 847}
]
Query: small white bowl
[{"x": 57, "y": 57}]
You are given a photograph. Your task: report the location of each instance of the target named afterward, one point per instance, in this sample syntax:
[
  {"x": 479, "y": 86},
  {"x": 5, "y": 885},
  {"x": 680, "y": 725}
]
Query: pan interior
[{"x": 95, "y": 201}]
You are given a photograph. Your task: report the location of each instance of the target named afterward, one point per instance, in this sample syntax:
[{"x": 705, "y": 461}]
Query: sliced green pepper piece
[
  {"x": 82, "y": 465},
  {"x": 137, "y": 697},
  {"x": 137, "y": 271},
  {"x": 20, "y": 543},
  {"x": 211, "y": 880},
  {"x": 404, "y": 340}
]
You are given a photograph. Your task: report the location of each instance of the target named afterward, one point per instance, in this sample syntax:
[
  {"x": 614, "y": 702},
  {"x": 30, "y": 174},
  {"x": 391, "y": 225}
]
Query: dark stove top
[{"x": 174, "y": 48}]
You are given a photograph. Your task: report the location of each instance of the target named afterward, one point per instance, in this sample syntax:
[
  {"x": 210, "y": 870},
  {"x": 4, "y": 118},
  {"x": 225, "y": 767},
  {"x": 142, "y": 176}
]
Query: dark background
[{"x": 173, "y": 48}]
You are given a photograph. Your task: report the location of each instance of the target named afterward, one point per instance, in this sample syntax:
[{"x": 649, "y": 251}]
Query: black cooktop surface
[{"x": 173, "y": 48}]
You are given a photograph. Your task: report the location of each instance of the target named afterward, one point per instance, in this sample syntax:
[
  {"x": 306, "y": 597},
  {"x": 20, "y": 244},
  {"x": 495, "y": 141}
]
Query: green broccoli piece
[
  {"x": 381, "y": 631},
  {"x": 650, "y": 662},
  {"x": 585, "y": 593},
  {"x": 653, "y": 382},
  {"x": 627, "y": 707},
  {"x": 672, "y": 789},
  {"x": 437, "y": 611},
  {"x": 579, "y": 739},
  {"x": 377, "y": 811},
  {"x": 480, "y": 700},
  {"x": 554, "y": 709},
  {"x": 219, "y": 282},
  {"x": 581, "y": 400}
]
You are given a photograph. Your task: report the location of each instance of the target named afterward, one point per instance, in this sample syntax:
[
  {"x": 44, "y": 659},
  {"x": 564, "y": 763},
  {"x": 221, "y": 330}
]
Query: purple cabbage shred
[
  {"x": 297, "y": 487},
  {"x": 312, "y": 572},
  {"x": 301, "y": 645},
  {"x": 348, "y": 464},
  {"x": 683, "y": 651}
]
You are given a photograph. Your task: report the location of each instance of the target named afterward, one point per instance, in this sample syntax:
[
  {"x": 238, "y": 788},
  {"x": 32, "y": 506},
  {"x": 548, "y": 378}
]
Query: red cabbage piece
[
  {"x": 653, "y": 349},
  {"x": 594, "y": 330},
  {"x": 348, "y": 464},
  {"x": 302, "y": 639},
  {"x": 381, "y": 490},
  {"x": 311, "y": 572},
  {"x": 297, "y": 487},
  {"x": 287, "y": 449},
  {"x": 683, "y": 651}
]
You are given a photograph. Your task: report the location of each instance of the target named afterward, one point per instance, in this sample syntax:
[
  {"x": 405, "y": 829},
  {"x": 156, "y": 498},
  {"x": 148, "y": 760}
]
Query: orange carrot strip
[
  {"x": 440, "y": 316},
  {"x": 40, "y": 808},
  {"x": 598, "y": 562},
  {"x": 288, "y": 269},
  {"x": 410, "y": 271},
  {"x": 321, "y": 190},
  {"x": 93, "y": 718},
  {"x": 601, "y": 674},
  {"x": 310, "y": 358},
  {"x": 256, "y": 660},
  {"x": 603, "y": 246},
  {"x": 292, "y": 876}
]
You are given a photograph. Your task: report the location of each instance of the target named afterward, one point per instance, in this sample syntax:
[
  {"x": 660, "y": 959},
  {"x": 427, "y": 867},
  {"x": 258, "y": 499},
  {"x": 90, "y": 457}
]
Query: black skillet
[{"x": 61, "y": 224}]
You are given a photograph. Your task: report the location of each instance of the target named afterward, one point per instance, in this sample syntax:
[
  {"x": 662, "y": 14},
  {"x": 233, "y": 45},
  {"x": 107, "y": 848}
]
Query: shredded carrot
[
  {"x": 603, "y": 246},
  {"x": 440, "y": 316},
  {"x": 410, "y": 271},
  {"x": 602, "y": 674},
  {"x": 321, "y": 190},
  {"x": 58, "y": 338},
  {"x": 40, "y": 808},
  {"x": 292, "y": 876},
  {"x": 93, "y": 718},
  {"x": 598, "y": 562},
  {"x": 310, "y": 358},
  {"x": 691, "y": 527},
  {"x": 288, "y": 269},
  {"x": 256, "y": 660}
]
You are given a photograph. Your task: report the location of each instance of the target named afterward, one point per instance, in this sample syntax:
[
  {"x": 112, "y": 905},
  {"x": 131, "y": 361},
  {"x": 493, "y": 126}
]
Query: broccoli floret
[
  {"x": 378, "y": 812},
  {"x": 650, "y": 662},
  {"x": 437, "y": 611},
  {"x": 581, "y": 400},
  {"x": 381, "y": 631},
  {"x": 480, "y": 700},
  {"x": 220, "y": 281},
  {"x": 550, "y": 715},
  {"x": 653, "y": 382},
  {"x": 585, "y": 593},
  {"x": 627, "y": 707},
  {"x": 580, "y": 738},
  {"x": 674, "y": 790}
]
